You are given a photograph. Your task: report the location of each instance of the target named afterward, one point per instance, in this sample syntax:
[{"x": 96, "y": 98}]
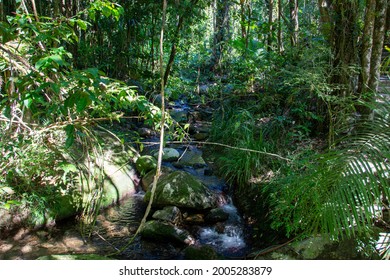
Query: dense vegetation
[{"x": 300, "y": 80}]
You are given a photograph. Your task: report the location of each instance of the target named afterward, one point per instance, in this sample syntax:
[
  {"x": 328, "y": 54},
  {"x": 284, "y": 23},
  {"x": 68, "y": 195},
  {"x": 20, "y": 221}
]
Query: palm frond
[{"x": 343, "y": 191}]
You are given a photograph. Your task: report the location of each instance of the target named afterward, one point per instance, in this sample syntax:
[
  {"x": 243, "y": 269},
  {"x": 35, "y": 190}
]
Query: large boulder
[
  {"x": 161, "y": 231},
  {"x": 181, "y": 189},
  {"x": 147, "y": 180}
]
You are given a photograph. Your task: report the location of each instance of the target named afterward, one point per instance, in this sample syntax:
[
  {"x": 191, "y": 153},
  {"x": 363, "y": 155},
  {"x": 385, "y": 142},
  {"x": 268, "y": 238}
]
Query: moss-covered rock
[
  {"x": 147, "y": 180},
  {"x": 158, "y": 230},
  {"x": 145, "y": 163},
  {"x": 170, "y": 214},
  {"x": 169, "y": 154},
  {"x": 216, "y": 215},
  {"x": 181, "y": 189},
  {"x": 201, "y": 253}
]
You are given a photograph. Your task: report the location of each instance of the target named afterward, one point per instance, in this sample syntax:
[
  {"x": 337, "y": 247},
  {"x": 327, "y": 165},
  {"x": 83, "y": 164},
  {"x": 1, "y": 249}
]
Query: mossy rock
[
  {"x": 147, "y": 180},
  {"x": 181, "y": 189},
  {"x": 169, "y": 154},
  {"x": 161, "y": 231},
  {"x": 145, "y": 163},
  {"x": 201, "y": 253}
]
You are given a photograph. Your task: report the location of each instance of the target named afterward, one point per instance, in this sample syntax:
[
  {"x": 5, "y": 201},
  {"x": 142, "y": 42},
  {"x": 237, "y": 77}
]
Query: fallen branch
[{"x": 222, "y": 145}]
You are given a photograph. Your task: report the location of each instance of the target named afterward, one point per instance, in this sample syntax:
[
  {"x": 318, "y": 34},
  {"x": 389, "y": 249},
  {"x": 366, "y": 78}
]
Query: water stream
[{"x": 116, "y": 225}]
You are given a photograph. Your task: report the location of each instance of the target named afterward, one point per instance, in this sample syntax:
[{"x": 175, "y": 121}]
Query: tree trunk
[
  {"x": 280, "y": 34},
  {"x": 367, "y": 46},
  {"x": 243, "y": 19},
  {"x": 344, "y": 45},
  {"x": 377, "y": 44},
  {"x": 325, "y": 20},
  {"x": 294, "y": 22},
  {"x": 220, "y": 31},
  {"x": 176, "y": 38},
  {"x": 270, "y": 24}
]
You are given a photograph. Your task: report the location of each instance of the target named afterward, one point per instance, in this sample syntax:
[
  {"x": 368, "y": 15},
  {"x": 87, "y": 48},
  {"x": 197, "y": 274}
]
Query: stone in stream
[
  {"x": 191, "y": 158},
  {"x": 162, "y": 231},
  {"x": 181, "y": 189},
  {"x": 169, "y": 154},
  {"x": 147, "y": 180},
  {"x": 145, "y": 163},
  {"x": 216, "y": 215},
  {"x": 170, "y": 214},
  {"x": 205, "y": 252}
]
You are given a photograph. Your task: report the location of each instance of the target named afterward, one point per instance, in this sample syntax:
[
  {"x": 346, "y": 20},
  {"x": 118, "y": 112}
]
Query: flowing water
[{"x": 116, "y": 225}]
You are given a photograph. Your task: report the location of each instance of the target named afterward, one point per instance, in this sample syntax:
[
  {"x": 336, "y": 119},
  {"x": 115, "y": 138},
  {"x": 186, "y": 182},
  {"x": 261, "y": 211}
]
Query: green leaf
[
  {"x": 69, "y": 129},
  {"x": 82, "y": 102}
]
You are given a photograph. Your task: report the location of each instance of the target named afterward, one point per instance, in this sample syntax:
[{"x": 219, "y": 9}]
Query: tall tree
[
  {"x": 221, "y": 29},
  {"x": 270, "y": 24},
  {"x": 377, "y": 43},
  {"x": 294, "y": 22},
  {"x": 366, "y": 48},
  {"x": 185, "y": 12}
]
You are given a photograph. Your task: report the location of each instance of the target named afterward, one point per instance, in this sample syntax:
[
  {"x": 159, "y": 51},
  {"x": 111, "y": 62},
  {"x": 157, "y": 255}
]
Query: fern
[{"x": 342, "y": 191}]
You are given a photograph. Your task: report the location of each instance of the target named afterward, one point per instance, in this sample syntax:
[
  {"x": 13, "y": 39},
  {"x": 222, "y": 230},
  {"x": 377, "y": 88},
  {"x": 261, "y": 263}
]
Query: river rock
[
  {"x": 181, "y": 189},
  {"x": 205, "y": 252},
  {"x": 162, "y": 231},
  {"x": 169, "y": 154},
  {"x": 170, "y": 214},
  {"x": 194, "y": 219},
  {"x": 179, "y": 115},
  {"x": 147, "y": 180},
  {"x": 191, "y": 158},
  {"x": 145, "y": 163},
  {"x": 217, "y": 215}
]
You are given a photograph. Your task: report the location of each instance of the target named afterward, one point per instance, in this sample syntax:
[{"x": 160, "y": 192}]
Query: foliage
[
  {"x": 238, "y": 127},
  {"x": 340, "y": 192}
]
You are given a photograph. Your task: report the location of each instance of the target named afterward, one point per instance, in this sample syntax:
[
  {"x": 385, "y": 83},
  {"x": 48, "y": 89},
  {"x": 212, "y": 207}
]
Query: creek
[{"x": 115, "y": 225}]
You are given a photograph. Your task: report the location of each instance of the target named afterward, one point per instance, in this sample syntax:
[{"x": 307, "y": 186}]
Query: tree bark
[
  {"x": 377, "y": 44},
  {"x": 294, "y": 22},
  {"x": 280, "y": 34},
  {"x": 270, "y": 24},
  {"x": 366, "y": 50},
  {"x": 220, "y": 31},
  {"x": 325, "y": 20}
]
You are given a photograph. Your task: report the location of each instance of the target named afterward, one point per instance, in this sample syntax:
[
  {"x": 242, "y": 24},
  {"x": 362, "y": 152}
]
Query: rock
[
  {"x": 169, "y": 154},
  {"x": 145, "y": 163},
  {"x": 191, "y": 158},
  {"x": 74, "y": 257},
  {"x": 161, "y": 231},
  {"x": 201, "y": 136},
  {"x": 147, "y": 180},
  {"x": 320, "y": 248},
  {"x": 195, "y": 219},
  {"x": 157, "y": 100},
  {"x": 179, "y": 115},
  {"x": 181, "y": 189},
  {"x": 216, "y": 215},
  {"x": 170, "y": 214},
  {"x": 145, "y": 132},
  {"x": 201, "y": 253}
]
